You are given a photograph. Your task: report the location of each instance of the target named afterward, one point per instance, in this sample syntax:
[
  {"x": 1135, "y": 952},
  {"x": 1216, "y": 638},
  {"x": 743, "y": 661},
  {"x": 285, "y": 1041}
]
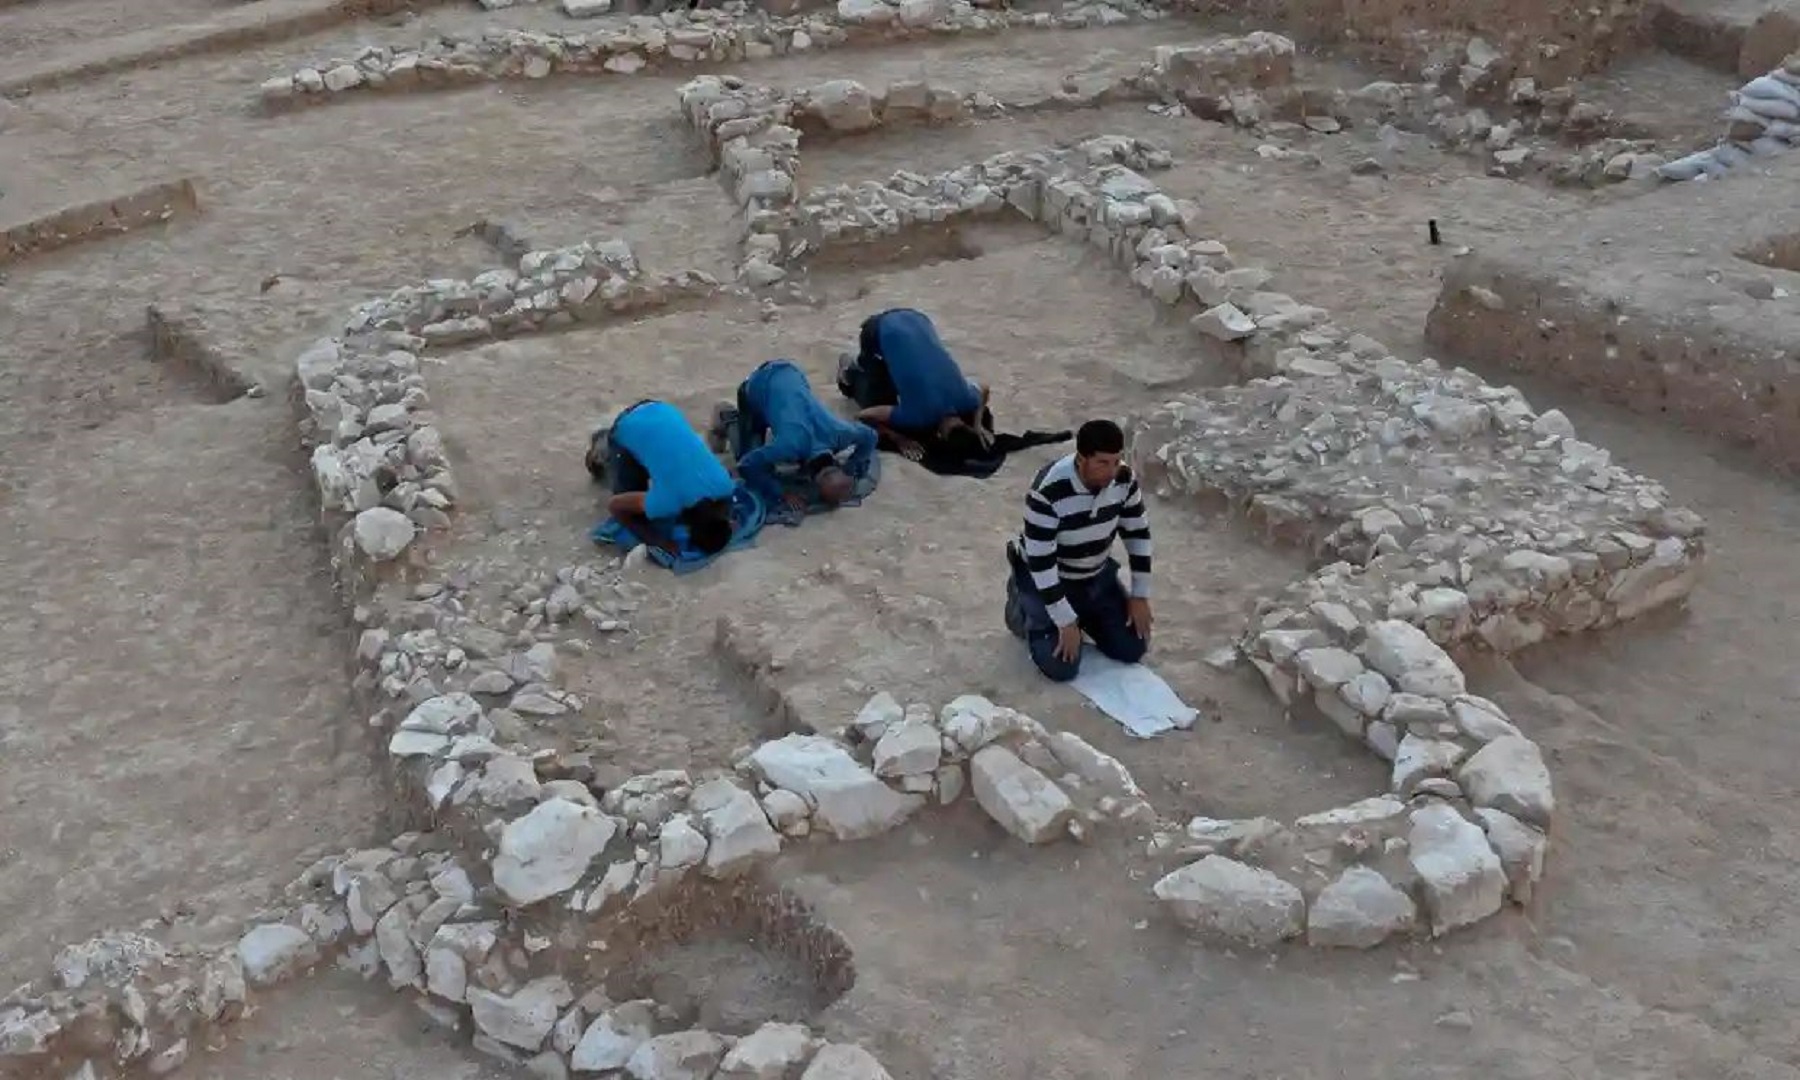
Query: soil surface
[{"x": 175, "y": 730}]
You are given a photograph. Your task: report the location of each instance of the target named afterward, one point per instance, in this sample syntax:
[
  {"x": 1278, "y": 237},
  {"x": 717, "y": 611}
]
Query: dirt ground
[{"x": 168, "y": 609}]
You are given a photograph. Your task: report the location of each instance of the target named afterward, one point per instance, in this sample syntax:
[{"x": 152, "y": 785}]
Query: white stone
[
  {"x": 1363, "y": 811},
  {"x": 1461, "y": 876},
  {"x": 1020, "y": 798},
  {"x": 446, "y": 974},
  {"x": 1419, "y": 759},
  {"x": 1224, "y": 897},
  {"x": 1327, "y": 668},
  {"x": 768, "y": 1053},
  {"x": 627, "y": 63},
  {"x": 847, "y": 799},
  {"x": 613, "y": 1037},
  {"x": 1101, "y": 770},
  {"x": 1520, "y": 847},
  {"x": 393, "y": 937},
  {"x": 844, "y": 105},
  {"x": 1480, "y": 719},
  {"x": 585, "y": 9},
  {"x": 417, "y": 744},
  {"x": 1359, "y": 910},
  {"x": 382, "y": 533},
  {"x": 680, "y": 845},
  {"x": 446, "y": 714},
  {"x": 274, "y": 952},
  {"x": 1383, "y": 739},
  {"x": 972, "y": 721},
  {"x": 1415, "y": 663},
  {"x": 877, "y": 715},
  {"x": 868, "y": 12},
  {"x": 343, "y": 77},
  {"x": 682, "y": 1055},
  {"x": 1509, "y": 774},
  {"x": 909, "y": 748},
  {"x": 1367, "y": 693},
  {"x": 524, "y": 1019},
  {"x": 785, "y": 809},
  {"x": 546, "y": 851},
  {"x": 1224, "y": 322},
  {"x": 843, "y": 1061},
  {"x": 741, "y": 833}
]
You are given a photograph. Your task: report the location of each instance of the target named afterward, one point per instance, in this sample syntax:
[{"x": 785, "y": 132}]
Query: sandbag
[
  {"x": 1789, "y": 77},
  {"x": 1737, "y": 114},
  {"x": 1686, "y": 168},
  {"x": 1782, "y": 129},
  {"x": 1765, "y": 86},
  {"x": 1769, "y": 108},
  {"x": 1767, "y": 147},
  {"x": 1730, "y": 155}
]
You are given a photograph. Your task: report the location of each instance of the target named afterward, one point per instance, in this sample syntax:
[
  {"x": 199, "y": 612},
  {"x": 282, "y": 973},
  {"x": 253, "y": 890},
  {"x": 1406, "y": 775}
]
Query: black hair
[
  {"x": 1099, "y": 437},
  {"x": 709, "y": 525},
  {"x": 964, "y": 442},
  {"x": 818, "y": 464},
  {"x": 596, "y": 465}
]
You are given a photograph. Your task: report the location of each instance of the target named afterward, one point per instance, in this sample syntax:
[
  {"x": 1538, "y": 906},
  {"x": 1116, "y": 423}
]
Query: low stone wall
[
  {"x": 1666, "y": 305},
  {"x": 152, "y": 205},
  {"x": 655, "y": 42}
]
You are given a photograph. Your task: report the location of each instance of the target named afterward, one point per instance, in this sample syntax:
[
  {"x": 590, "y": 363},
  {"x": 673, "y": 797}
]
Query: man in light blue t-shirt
[
  {"x": 911, "y": 389},
  {"x": 667, "y": 486}
]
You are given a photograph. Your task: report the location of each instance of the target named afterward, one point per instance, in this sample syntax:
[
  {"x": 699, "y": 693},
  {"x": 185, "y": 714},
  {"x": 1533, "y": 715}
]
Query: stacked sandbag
[{"x": 1764, "y": 120}]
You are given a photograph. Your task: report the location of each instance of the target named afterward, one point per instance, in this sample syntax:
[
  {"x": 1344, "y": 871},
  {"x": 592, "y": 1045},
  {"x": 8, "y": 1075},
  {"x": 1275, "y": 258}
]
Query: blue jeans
[{"x": 1100, "y": 612}]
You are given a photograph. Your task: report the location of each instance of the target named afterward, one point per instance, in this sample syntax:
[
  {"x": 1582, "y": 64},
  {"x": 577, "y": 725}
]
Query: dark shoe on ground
[{"x": 1015, "y": 611}]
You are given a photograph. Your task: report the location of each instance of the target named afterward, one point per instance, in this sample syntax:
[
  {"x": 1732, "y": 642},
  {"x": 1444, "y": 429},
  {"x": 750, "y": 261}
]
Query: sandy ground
[{"x": 167, "y": 608}]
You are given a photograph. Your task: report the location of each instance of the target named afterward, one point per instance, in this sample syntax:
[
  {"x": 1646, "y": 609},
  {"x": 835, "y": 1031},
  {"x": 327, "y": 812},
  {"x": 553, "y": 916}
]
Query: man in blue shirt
[
  {"x": 667, "y": 486},
  {"x": 779, "y": 423},
  {"x": 910, "y": 387}
]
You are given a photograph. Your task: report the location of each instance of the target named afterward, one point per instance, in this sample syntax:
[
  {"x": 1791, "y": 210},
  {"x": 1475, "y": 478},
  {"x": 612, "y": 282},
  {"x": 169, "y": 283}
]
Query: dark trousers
[
  {"x": 747, "y": 431},
  {"x": 864, "y": 378},
  {"x": 1100, "y": 612}
]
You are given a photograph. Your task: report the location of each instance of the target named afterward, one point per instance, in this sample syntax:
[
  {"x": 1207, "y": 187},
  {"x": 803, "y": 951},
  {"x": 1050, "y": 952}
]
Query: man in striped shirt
[{"x": 1064, "y": 581}]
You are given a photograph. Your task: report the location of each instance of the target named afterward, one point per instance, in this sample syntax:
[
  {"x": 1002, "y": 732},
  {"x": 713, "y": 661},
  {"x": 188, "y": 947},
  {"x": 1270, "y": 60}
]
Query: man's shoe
[{"x": 1015, "y": 610}]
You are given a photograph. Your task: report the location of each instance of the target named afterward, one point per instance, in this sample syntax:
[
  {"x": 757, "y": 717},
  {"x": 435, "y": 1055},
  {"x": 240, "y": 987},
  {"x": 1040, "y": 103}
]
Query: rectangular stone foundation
[{"x": 1653, "y": 304}]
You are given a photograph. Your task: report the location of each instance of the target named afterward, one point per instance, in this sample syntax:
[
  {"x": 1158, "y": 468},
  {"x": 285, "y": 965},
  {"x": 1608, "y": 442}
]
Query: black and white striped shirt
[{"x": 1069, "y": 532}]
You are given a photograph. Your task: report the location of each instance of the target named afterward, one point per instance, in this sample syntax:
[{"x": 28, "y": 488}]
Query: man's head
[
  {"x": 1099, "y": 452},
  {"x": 834, "y": 484},
  {"x": 709, "y": 525}
]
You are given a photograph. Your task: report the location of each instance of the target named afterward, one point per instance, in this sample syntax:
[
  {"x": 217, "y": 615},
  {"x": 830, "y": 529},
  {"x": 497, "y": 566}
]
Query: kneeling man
[
  {"x": 911, "y": 389},
  {"x": 778, "y": 423},
  {"x": 667, "y": 486},
  {"x": 1064, "y": 581}
]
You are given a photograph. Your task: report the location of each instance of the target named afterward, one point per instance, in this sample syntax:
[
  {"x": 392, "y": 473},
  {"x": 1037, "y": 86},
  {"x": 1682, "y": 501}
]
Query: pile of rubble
[
  {"x": 678, "y": 37},
  {"x": 1764, "y": 120}
]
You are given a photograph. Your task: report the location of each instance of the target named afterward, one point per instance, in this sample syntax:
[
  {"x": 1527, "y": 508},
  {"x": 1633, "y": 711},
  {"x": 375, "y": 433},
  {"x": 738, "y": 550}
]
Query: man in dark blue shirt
[
  {"x": 780, "y": 424},
  {"x": 911, "y": 389}
]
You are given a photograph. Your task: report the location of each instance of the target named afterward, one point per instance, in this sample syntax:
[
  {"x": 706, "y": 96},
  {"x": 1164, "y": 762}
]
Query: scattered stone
[
  {"x": 1415, "y": 663},
  {"x": 1359, "y": 910},
  {"x": 1461, "y": 876},
  {"x": 1419, "y": 758},
  {"x": 1222, "y": 897},
  {"x": 909, "y": 748},
  {"x": 683, "y": 1055},
  {"x": 546, "y": 851},
  {"x": 843, "y": 1061},
  {"x": 523, "y": 1019},
  {"x": 275, "y": 952},
  {"x": 382, "y": 533},
  {"x": 771, "y": 1052},
  {"x": 848, "y": 800},
  {"x": 741, "y": 833},
  {"x": 613, "y": 1037},
  {"x": 1224, "y": 322},
  {"x": 1020, "y": 798},
  {"x": 1509, "y": 774},
  {"x": 1521, "y": 850}
]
